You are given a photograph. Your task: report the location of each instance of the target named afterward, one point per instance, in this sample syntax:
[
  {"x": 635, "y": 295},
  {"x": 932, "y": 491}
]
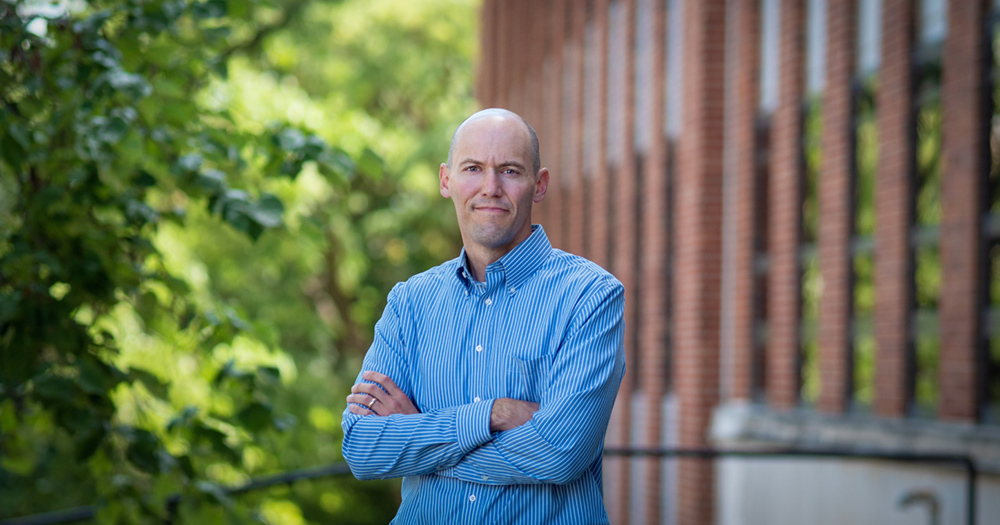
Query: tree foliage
[{"x": 189, "y": 270}]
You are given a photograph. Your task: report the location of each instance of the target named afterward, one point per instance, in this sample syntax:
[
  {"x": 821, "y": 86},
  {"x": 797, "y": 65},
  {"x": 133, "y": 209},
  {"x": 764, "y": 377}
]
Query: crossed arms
[{"x": 495, "y": 441}]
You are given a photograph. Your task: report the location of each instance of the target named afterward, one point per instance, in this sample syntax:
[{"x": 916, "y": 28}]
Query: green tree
[{"x": 182, "y": 279}]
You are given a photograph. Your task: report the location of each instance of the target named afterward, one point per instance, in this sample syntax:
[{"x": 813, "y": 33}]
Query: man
[{"x": 491, "y": 378}]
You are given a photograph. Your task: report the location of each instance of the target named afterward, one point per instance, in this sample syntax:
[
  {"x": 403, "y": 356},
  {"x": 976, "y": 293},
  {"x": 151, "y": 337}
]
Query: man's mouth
[{"x": 490, "y": 209}]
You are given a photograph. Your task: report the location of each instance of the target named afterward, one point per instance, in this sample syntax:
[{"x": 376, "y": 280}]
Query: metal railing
[{"x": 964, "y": 462}]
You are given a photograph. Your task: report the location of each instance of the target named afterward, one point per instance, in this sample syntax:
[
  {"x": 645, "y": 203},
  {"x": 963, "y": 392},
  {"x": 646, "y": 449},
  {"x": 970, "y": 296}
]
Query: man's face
[{"x": 492, "y": 184}]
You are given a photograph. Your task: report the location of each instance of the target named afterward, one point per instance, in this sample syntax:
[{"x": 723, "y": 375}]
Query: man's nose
[{"x": 491, "y": 184}]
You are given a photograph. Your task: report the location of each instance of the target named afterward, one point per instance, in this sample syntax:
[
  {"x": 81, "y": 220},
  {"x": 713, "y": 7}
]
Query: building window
[
  {"x": 644, "y": 19},
  {"x": 762, "y": 149},
  {"x": 770, "y": 32},
  {"x": 862, "y": 355},
  {"x": 924, "y": 236},
  {"x": 617, "y": 50},
  {"x": 768, "y": 101},
  {"x": 991, "y": 232},
  {"x": 812, "y": 132}
]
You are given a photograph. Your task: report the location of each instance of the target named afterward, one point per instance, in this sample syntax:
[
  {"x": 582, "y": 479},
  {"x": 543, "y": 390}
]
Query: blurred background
[
  {"x": 203, "y": 204},
  {"x": 202, "y": 207}
]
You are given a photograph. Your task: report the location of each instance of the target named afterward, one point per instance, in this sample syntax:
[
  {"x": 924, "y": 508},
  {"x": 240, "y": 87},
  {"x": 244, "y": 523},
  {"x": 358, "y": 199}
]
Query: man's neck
[{"x": 477, "y": 262}]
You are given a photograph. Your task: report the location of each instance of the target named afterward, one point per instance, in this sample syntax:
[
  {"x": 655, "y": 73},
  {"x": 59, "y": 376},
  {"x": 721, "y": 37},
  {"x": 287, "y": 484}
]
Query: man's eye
[{"x": 472, "y": 168}]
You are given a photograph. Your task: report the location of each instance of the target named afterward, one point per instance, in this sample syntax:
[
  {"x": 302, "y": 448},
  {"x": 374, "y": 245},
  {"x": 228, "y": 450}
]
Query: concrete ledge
[{"x": 740, "y": 424}]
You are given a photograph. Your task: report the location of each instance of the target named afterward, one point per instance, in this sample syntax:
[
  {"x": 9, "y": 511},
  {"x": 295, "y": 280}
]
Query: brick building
[{"x": 802, "y": 199}]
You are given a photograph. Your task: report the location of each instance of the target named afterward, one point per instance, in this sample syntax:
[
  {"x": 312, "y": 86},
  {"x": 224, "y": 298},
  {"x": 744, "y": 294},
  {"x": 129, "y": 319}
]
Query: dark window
[
  {"x": 762, "y": 144},
  {"x": 810, "y": 288},
  {"x": 862, "y": 356},
  {"x": 991, "y": 233},
  {"x": 924, "y": 235}
]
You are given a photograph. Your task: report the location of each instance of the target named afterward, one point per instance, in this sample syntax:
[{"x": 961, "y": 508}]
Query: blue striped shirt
[{"x": 546, "y": 327}]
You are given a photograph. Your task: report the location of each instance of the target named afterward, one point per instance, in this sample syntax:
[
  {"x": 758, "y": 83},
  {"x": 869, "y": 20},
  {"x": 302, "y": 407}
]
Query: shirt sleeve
[
  {"x": 565, "y": 436},
  {"x": 411, "y": 444}
]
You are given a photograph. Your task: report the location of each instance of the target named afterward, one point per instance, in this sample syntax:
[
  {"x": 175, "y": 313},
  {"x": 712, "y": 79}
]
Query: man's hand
[
  {"x": 510, "y": 413},
  {"x": 384, "y": 401}
]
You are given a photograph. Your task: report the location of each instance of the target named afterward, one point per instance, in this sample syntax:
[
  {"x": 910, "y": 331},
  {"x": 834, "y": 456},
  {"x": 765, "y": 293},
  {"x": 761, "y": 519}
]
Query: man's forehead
[{"x": 492, "y": 126}]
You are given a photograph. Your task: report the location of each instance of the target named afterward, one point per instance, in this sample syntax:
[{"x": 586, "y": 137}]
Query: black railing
[{"x": 964, "y": 462}]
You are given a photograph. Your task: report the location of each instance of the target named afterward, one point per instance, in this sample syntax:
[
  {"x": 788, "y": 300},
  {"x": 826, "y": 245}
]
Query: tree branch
[{"x": 287, "y": 14}]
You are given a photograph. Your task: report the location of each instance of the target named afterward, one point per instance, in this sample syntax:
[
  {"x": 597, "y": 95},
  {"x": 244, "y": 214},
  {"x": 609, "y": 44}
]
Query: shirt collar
[{"x": 518, "y": 264}]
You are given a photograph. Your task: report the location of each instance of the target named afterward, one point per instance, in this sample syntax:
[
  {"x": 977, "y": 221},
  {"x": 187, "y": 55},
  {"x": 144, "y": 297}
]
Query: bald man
[{"x": 492, "y": 377}]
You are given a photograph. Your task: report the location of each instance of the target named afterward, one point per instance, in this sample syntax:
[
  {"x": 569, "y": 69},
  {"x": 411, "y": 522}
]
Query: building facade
[{"x": 802, "y": 199}]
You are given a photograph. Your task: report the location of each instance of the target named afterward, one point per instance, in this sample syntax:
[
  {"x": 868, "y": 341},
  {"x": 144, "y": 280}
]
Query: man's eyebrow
[
  {"x": 513, "y": 163},
  {"x": 504, "y": 164}
]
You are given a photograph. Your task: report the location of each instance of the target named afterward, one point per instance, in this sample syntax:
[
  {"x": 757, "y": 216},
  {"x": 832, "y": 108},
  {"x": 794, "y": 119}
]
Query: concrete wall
[{"x": 843, "y": 492}]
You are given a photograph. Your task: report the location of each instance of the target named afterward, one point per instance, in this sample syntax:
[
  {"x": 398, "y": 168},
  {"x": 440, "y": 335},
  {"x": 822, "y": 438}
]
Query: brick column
[
  {"x": 964, "y": 110},
  {"x": 518, "y": 61},
  {"x": 835, "y": 194},
  {"x": 698, "y": 248},
  {"x": 785, "y": 194},
  {"x": 486, "y": 78},
  {"x": 598, "y": 193},
  {"x": 553, "y": 121},
  {"x": 534, "y": 98},
  {"x": 624, "y": 241},
  {"x": 746, "y": 74},
  {"x": 654, "y": 312},
  {"x": 893, "y": 211},
  {"x": 574, "y": 133}
]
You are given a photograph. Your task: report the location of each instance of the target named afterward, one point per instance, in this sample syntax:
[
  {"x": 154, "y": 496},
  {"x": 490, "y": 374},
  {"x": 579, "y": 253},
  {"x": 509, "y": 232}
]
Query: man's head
[
  {"x": 494, "y": 176},
  {"x": 536, "y": 158}
]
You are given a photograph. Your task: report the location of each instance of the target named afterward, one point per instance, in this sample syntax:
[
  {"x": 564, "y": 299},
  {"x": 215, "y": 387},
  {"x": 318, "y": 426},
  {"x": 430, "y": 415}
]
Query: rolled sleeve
[{"x": 472, "y": 424}]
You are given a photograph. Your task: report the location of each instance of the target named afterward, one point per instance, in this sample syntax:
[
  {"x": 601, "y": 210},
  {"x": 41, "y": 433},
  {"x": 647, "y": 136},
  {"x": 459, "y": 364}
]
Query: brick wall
[
  {"x": 785, "y": 199},
  {"x": 894, "y": 213},
  {"x": 835, "y": 210},
  {"x": 965, "y": 160},
  {"x": 612, "y": 206}
]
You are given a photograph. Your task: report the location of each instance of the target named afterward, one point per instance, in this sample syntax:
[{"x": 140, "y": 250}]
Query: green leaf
[
  {"x": 12, "y": 152},
  {"x": 151, "y": 381},
  {"x": 215, "y": 493},
  {"x": 86, "y": 443},
  {"x": 267, "y": 211},
  {"x": 142, "y": 450},
  {"x": 269, "y": 374},
  {"x": 209, "y": 9},
  {"x": 55, "y": 388},
  {"x": 183, "y": 419},
  {"x": 256, "y": 416},
  {"x": 144, "y": 179},
  {"x": 290, "y": 139},
  {"x": 371, "y": 164},
  {"x": 217, "y": 440}
]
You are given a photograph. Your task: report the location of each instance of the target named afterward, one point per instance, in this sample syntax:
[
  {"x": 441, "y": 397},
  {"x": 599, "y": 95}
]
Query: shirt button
[
  {"x": 479, "y": 348},
  {"x": 486, "y": 478},
  {"x": 476, "y": 399},
  {"x": 488, "y": 301},
  {"x": 472, "y": 497}
]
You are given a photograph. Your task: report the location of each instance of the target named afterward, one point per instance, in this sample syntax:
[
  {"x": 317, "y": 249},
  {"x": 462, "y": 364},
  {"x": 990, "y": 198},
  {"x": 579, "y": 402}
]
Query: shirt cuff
[{"x": 472, "y": 422}]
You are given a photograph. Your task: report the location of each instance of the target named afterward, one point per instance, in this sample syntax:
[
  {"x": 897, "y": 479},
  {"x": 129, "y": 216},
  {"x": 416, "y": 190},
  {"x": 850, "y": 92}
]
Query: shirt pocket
[{"x": 532, "y": 377}]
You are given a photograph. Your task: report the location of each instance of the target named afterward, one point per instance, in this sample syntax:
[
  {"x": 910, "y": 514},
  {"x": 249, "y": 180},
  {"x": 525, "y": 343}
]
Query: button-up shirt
[{"x": 545, "y": 327}]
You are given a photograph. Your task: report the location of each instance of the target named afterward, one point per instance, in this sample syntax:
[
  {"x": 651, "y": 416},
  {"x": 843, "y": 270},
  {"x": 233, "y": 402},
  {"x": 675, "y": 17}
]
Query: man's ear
[
  {"x": 443, "y": 174},
  {"x": 542, "y": 185}
]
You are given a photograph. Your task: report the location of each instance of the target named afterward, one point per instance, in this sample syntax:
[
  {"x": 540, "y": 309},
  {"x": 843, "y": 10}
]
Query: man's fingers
[
  {"x": 383, "y": 380},
  {"x": 360, "y": 399},
  {"x": 355, "y": 409},
  {"x": 366, "y": 388}
]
